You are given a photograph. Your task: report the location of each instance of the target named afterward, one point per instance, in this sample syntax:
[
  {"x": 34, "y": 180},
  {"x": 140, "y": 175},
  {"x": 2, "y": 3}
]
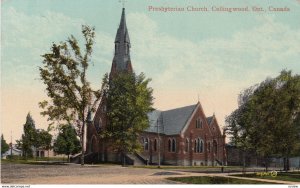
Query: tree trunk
[
  {"x": 123, "y": 159},
  {"x": 68, "y": 158},
  {"x": 82, "y": 144},
  {"x": 288, "y": 163},
  {"x": 284, "y": 164},
  {"x": 266, "y": 163},
  {"x": 244, "y": 162}
]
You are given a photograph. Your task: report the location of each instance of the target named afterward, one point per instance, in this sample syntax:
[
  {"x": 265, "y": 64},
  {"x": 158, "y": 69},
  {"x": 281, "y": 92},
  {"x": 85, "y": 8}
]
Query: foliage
[
  {"x": 33, "y": 138},
  {"x": 67, "y": 141},
  {"x": 267, "y": 120},
  {"x": 4, "y": 145},
  {"x": 44, "y": 139},
  {"x": 28, "y": 138},
  {"x": 129, "y": 99},
  {"x": 64, "y": 73}
]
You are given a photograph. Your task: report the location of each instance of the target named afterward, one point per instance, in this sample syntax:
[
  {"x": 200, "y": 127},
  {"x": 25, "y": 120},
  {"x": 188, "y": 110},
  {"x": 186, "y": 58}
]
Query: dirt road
[{"x": 75, "y": 174}]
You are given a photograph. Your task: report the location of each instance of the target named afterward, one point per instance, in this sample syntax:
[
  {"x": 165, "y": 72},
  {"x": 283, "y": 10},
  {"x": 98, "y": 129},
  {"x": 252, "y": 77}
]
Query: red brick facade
[
  {"x": 187, "y": 136},
  {"x": 202, "y": 145},
  {"x": 186, "y": 153}
]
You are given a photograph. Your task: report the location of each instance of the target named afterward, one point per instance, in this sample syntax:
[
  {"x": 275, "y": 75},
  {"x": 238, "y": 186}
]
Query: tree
[
  {"x": 129, "y": 99},
  {"x": 64, "y": 73},
  {"x": 4, "y": 145},
  {"x": 267, "y": 120},
  {"x": 287, "y": 130},
  {"x": 28, "y": 138},
  {"x": 44, "y": 138},
  {"x": 67, "y": 141}
]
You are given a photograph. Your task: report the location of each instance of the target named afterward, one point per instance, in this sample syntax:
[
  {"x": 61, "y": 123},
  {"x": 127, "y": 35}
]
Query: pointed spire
[
  {"x": 121, "y": 60},
  {"x": 122, "y": 34}
]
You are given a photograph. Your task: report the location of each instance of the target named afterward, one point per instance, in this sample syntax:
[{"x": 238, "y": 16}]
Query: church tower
[{"x": 121, "y": 61}]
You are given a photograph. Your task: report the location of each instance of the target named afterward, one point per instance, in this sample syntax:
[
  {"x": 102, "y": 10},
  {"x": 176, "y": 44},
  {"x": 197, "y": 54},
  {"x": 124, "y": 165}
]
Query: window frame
[{"x": 187, "y": 145}]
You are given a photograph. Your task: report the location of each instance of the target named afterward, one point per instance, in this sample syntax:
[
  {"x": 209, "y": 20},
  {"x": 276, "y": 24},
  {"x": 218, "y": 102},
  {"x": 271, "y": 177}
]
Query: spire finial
[{"x": 123, "y": 2}]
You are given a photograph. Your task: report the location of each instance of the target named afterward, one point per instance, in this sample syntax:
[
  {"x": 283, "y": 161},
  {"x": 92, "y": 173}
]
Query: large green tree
[
  {"x": 33, "y": 138},
  {"x": 64, "y": 72},
  {"x": 129, "y": 99},
  {"x": 4, "y": 145},
  {"x": 67, "y": 141},
  {"x": 267, "y": 120},
  {"x": 28, "y": 138}
]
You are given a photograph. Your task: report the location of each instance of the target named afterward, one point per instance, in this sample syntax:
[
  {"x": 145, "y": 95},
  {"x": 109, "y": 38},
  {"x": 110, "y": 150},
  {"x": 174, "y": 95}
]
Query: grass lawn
[
  {"x": 33, "y": 161},
  {"x": 214, "y": 180},
  {"x": 284, "y": 176}
]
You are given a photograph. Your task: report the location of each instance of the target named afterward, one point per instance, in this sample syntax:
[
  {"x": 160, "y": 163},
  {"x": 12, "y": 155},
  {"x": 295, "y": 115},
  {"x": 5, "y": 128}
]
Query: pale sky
[{"x": 213, "y": 55}]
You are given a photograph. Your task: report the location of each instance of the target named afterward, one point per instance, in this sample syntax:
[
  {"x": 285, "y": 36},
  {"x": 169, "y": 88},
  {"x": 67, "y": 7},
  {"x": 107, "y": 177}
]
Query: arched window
[
  {"x": 195, "y": 146},
  {"x": 169, "y": 145},
  {"x": 94, "y": 145},
  {"x": 173, "y": 145},
  {"x": 127, "y": 49},
  {"x": 201, "y": 146},
  {"x": 198, "y": 145},
  {"x": 187, "y": 145},
  {"x": 155, "y": 145},
  {"x": 199, "y": 123},
  {"x": 147, "y": 144},
  {"x": 116, "y": 47},
  {"x": 215, "y": 147}
]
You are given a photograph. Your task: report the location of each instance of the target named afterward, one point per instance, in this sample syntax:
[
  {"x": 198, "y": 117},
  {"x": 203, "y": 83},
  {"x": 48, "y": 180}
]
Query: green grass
[
  {"x": 17, "y": 158},
  {"x": 214, "y": 180},
  {"x": 284, "y": 176},
  {"x": 33, "y": 161}
]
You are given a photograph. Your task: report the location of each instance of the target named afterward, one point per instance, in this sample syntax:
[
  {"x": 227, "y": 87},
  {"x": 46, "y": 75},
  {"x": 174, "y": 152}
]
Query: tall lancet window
[
  {"x": 116, "y": 47},
  {"x": 127, "y": 49}
]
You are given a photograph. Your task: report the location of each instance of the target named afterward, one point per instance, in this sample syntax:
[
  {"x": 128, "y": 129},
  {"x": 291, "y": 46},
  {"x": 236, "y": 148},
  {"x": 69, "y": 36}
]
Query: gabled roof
[
  {"x": 155, "y": 118},
  {"x": 209, "y": 119},
  {"x": 170, "y": 122}
]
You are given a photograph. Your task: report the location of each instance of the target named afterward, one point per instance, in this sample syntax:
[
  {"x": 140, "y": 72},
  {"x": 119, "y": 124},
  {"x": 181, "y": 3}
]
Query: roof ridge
[{"x": 179, "y": 108}]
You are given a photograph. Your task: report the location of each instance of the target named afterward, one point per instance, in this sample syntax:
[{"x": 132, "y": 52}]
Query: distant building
[
  {"x": 47, "y": 153},
  {"x": 182, "y": 136},
  {"x": 12, "y": 151}
]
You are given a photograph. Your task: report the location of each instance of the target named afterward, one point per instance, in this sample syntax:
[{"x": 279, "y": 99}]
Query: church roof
[
  {"x": 170, "y": 122},
  {"x": 209, "y": 119}
]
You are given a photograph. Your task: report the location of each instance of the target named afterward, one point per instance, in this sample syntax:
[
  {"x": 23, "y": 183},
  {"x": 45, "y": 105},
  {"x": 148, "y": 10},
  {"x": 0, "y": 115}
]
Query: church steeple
[{"x": 121, "y": 60}]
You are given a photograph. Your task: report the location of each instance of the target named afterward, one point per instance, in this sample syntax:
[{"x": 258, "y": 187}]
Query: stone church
[{"x": 182, "y": 136}]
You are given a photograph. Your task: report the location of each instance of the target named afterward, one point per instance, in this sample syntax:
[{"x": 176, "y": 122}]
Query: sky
[{"x": 189, "y": 55}]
